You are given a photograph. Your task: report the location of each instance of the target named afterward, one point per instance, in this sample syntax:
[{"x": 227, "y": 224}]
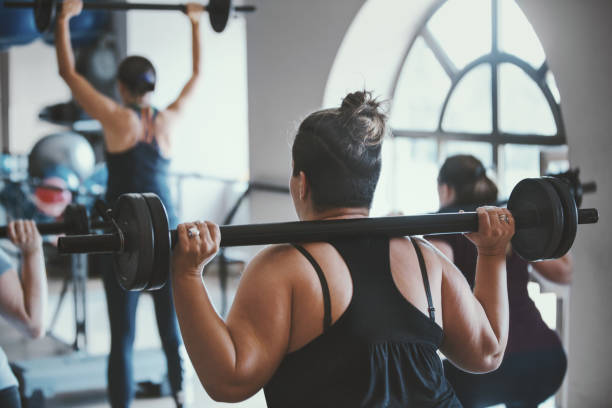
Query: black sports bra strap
[
  {"x": 430, "y": 308},
  {"x": 324, "y": 287}
]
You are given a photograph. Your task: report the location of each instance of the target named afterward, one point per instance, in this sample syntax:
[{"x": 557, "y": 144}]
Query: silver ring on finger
[
  {"x": 193, "y": 232},
  {"x": 504, "y": 218}
]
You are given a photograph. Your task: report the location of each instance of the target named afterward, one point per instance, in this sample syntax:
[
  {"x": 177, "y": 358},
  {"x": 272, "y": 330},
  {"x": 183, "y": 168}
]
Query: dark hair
[
  {"x": 137, "y": 74},
  {"x": 468, "y": 177},
  {"x": 339, "y": 152}
]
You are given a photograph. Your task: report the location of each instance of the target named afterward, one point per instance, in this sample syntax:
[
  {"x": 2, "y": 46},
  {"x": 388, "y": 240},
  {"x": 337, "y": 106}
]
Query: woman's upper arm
[
  {"x": 95, "y": 103},
  {"x": 260, "y": 317},
  {"x": 464, "y": 320}
]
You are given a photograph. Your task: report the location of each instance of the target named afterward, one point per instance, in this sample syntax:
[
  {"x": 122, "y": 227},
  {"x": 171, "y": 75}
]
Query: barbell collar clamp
[{"x": 588, "y": 216}]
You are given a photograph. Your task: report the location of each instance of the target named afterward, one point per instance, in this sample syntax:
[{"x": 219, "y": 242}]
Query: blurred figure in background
[
  {"x": 535, "y": 363},
  {"x": 23, "y": 298}
]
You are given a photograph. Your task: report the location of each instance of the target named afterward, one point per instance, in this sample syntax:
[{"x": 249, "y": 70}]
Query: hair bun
[{"x": 364, "y": 117}]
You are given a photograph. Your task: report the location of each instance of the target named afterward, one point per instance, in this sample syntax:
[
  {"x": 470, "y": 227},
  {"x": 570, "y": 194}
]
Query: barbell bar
[
  {"x": 142, "y": 241},
  {"x": 75, "y": 221},
  {"x": 45, "y": 10}
]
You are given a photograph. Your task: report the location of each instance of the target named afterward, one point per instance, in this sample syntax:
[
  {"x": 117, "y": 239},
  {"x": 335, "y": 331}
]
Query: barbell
[
  {"x": 45, "y": 10},
  {"x": 546, "y": 219},
  {"x": 75, "y": 221}
]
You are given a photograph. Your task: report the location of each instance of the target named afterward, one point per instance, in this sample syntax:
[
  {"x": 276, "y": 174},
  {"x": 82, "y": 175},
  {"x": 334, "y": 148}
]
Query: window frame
[{"x": 494, "y": 59}]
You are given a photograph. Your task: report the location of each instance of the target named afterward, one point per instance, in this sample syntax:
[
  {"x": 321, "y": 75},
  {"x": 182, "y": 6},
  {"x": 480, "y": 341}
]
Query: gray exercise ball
[{"x": 67, "y": 149}]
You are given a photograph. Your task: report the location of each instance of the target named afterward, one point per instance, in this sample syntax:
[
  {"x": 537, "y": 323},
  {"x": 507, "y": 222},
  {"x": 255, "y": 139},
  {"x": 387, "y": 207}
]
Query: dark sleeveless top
[
  {"x": 142, "y": 168},
  {"x": 380, "y": 353},
  {"x": 527, "y": 332}
]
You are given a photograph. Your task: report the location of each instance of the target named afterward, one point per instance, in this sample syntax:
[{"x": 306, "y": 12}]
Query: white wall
[
  {"x": 34, "y": 84},
  {"x": 212, "y": 139},
  {"x": 575, "y": 35}
]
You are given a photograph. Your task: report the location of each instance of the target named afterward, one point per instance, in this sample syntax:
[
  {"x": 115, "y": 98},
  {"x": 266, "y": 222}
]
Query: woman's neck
[
  {"x": 337, "y": 213},
  {"x": 140, "y": 101}
]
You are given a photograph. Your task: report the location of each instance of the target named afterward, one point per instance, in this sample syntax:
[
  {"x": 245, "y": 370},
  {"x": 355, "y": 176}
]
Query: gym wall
[
  {"x": 575, "y": 35},
  {"x": 291, "y": 48},
  {"x": 34, "y": 83}
]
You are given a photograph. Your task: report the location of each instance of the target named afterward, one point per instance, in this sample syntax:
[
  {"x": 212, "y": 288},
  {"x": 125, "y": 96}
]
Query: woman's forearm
[
  {"x": 63, "y": 47},
  {"x": 34, "y": 283},
  {"x": 491, "y": 290},
  {"x": 557, "y": 270},
  {"x": 195, "y": 47}
]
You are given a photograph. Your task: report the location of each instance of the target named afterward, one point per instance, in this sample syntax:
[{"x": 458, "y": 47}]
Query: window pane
[
  {"x": 482, "y": 151},
  {"x": 552, "y": 85},
  {"x": 469, "y": 107},
  {"x": 516, "y": 35},
  {"x": 519, "y": 162},
  {"x": 408, "y": 179},
  {"x": 463, "y": 29},
  {"x": 420, "y": 91},
  {"x": 522, "y": 105}
]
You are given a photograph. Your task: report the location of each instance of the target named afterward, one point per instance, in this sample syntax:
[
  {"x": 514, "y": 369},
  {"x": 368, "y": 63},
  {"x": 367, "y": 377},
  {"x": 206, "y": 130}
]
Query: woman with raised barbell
[
  {"x": 535, "y": 363},
  {"x": 346, "y": 323},
  {"x": 138, "y": 139}
]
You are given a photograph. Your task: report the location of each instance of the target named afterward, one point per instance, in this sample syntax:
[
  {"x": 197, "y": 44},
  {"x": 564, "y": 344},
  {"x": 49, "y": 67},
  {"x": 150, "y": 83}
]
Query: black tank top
[
  {"x": 142, "y": 168},
  {"x": 380, "y": 353}
]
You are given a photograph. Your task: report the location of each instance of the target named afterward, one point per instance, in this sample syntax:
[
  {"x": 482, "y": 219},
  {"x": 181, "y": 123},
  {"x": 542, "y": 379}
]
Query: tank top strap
[
  {"x": 430, "y": 307},
  {"x": 147, "y": 115},
  {"x": 324, "y": 287}
]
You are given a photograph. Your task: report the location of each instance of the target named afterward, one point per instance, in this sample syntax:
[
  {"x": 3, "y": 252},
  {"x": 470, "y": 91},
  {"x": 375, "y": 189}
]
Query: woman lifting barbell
[
  {"x": 354, "y": 322},
  {"x": 138, "y": 139},
  {"x": 535, "y": 363}
]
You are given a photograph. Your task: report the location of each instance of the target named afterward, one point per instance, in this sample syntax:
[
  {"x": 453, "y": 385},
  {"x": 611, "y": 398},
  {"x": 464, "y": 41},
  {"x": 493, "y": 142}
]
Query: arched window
[{"x": 475, "y": 80}]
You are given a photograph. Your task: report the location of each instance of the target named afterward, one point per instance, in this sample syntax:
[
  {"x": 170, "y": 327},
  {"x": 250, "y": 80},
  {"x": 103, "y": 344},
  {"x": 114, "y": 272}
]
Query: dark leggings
[
  {"x": 9, "y": 398},
  {"x": 122, "y": 315},
  {"x": 522, "y": 381}
]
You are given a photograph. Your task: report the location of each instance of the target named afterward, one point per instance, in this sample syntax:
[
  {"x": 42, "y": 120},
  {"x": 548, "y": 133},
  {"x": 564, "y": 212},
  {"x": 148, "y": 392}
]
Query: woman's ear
[
  {"x": 304, "y": 187},
  {"x": 446, "y": 194}
]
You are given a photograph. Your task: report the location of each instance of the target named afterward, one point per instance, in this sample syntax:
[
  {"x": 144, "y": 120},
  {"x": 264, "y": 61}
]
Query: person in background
[
  {"x": 138, "y": 139},
  {"x": 535, "y": 363},
  {"x": 23, "y": 298}
]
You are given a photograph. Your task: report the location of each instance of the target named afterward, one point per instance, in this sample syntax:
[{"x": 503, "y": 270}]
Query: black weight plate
[
  {"x": 570, "y": 215},
  {"x": 540, "y": 238},
  {"x": 44, "y": 13},
  {"x": 161, "y": 231},
  {"x": 134, "y": 264},
  {"x": 218, "y": 13}
]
